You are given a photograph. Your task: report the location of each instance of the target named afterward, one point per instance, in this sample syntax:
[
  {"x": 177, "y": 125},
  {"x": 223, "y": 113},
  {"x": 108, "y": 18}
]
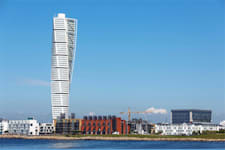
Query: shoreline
[{"x": 49, "y": 137}]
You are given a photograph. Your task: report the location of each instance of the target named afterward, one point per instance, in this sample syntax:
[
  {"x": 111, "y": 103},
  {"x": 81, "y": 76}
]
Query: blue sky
[{"x": 139, "y": 54}]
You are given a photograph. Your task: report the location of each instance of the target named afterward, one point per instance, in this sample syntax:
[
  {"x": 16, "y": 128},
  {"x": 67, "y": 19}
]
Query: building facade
[
  {"x": 23, "y": 127},
  {"x": 46, "y": 128},
  {"x": 139, "y": 126},
  {"x": 63, "y": 55},
  {"x": 104, "y": 125},
  {"x": 4, "y": 126},
  {"x": 69, "y": 126},
  {"x": 185, "y": 129},
  {"x": 190, "y": 116}
]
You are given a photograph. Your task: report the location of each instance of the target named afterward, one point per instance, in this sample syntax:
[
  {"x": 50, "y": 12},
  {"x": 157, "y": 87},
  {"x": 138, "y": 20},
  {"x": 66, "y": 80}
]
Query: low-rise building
[
  {"x": 46, "y": 128},
  {"x": 185, "y": 129},
  {"x": 67, "y": 126},
  {"x": 139, "y": 126},
  {"x": 104, "y": 125},
  {"x": 23, "y": 127},
  {"x": 4, "y": 125}
]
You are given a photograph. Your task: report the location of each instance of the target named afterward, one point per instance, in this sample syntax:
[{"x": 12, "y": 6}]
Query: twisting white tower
[{"x": 63, "y": 54}]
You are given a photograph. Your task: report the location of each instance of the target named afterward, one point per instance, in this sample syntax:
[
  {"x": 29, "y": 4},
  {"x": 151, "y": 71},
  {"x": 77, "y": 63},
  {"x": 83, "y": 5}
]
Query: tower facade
[{"x": 63, "y": 57}]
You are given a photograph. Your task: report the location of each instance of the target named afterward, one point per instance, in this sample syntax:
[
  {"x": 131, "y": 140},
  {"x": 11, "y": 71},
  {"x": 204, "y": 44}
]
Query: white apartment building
[
  {"x": 23, "y": 127},
  {"x": 4, "y": 126},
  {"x": 46, "y": 128},
  {"x": 63, "y": 55},
  {"x": 185, "y": 129}
]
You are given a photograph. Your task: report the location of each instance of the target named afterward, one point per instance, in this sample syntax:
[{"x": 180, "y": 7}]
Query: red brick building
[{"x": 104, "y": 125}]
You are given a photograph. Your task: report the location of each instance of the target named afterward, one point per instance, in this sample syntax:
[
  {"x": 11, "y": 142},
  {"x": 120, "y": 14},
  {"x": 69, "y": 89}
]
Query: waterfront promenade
[{"x": 117, "y": 138}]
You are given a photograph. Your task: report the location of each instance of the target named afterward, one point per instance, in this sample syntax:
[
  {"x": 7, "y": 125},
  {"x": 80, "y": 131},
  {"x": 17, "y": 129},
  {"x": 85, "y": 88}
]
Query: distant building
[
  {"x": 46, "y": 128},
  {"x": 63, "y": 55},
  {"x": 67, "y": 126},
  {"x": 190, "y": 116},
  {"x": 139, "y": 126},
  {"x": 104, "y": 125},
  {"x": 4, "y": 126},
  {"x": 23, "y": 127},
  {"x": 185, "y": 129}
]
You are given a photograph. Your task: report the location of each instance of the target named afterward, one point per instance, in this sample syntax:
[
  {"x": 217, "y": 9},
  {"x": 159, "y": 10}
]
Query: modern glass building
[
  {"x": 63, "y": 54},
  {"x": 191, "y": 116}
]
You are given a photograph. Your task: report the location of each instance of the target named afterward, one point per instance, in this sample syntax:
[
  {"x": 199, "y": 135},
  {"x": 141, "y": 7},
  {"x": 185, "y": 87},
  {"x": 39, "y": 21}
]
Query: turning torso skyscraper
[{"x": 63, "y": 55}]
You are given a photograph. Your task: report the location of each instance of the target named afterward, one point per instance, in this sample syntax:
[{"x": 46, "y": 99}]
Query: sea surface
[{"x": 98, "y": 144}]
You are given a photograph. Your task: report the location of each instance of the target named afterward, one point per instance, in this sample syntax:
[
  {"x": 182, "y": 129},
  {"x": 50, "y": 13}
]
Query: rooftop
[
  {"x": 61, "y": 15},
  {"x": 191, "y": 110}
]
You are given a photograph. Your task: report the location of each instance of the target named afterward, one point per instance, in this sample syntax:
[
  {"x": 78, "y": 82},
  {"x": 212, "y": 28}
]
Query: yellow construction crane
[{"x": 130, "y": 112}]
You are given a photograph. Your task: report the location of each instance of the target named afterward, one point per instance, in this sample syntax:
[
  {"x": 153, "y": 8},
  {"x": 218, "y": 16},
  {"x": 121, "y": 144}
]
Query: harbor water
[{"x": 101, "y": 144}]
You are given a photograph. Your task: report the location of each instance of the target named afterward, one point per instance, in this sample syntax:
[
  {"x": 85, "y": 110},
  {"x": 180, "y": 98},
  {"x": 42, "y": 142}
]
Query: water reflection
[
  {"x": 90, "y": 144},
  {"x": 64, "y": 145}
]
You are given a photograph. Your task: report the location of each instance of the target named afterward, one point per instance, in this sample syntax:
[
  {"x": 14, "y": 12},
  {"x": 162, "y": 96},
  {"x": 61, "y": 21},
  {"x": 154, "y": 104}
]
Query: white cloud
[
  {"x": 222, "y": 123},
  {"x": 37, "y": 82},
  {"x": 156, "y": 111}
]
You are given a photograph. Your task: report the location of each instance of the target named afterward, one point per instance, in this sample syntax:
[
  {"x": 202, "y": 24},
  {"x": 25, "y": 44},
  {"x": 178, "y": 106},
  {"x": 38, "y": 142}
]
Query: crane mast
[{"x": 129, "y": 112}]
